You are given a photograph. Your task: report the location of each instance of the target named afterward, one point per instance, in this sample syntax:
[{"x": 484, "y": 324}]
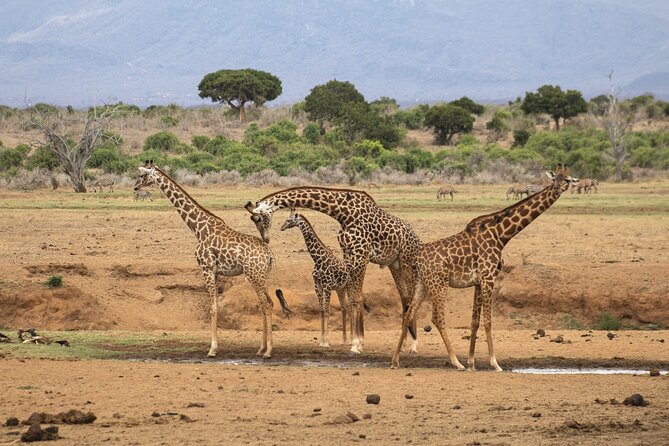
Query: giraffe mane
[
  {"x": 331, "y": 189},
  {"x": 202, "y": 208}
]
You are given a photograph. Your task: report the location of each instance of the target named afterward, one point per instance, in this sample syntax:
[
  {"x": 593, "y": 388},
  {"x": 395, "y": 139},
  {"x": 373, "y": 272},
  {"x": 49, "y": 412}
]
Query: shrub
[
  {"x": 368, "y": 149},
  {"x": 200, "y": 141},
  {"x": 169, "y": 121},
  {"x": 412, "y": 119},
  {"x": 10, "y": 158},
  {"x": 163, "y": 141},
  {"x": 46, "y": 109},
  {"x": 609, "y": 322},
  {"x": 109, "y": 160},
  {"x": 245, "y": 160},
  {"x": 312, "y": 133},
  {"x": 54, "y": 282},
  {"x": 42, "y": 158},
  {"x": 520, "y": 137}
]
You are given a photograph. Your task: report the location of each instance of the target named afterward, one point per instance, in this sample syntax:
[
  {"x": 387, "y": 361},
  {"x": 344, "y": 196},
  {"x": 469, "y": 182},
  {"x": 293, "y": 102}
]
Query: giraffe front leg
[
  {"x": 265, "y": 305},
  {"x": 476, "y": 317},
  {"x": 486, "y": 292},
  {"x": 343, "y": 305},
  {"x": 404, "y": 281},
  {"x": 407, "y": 318},
  {"x": 210, "y": 282},
  {"x": 439, "y": 320},
  {"x": 354, "y": 292},
  {"x": 326, "y": 319},
  {"x": 321, "y": 305}
]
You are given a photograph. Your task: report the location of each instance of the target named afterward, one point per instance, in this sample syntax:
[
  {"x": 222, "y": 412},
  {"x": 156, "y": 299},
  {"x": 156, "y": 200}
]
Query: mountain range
[{"x": 84, "y": 52}]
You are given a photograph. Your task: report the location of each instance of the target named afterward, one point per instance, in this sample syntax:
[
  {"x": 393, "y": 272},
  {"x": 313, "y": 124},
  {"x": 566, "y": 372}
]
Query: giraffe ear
[
  {"x": 249, "y": 207},
  {"x": 550, "y": 174}
]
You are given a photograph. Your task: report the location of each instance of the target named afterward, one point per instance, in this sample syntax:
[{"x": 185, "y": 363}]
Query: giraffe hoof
[
  {"x": 211, "y": 355},
  {"x": 413, "y": 352},
  {"x": 353, "y": 353},
  {"x": 267, "y": 356}
]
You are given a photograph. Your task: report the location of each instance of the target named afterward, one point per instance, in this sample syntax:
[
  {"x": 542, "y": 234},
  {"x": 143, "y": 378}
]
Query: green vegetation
[
  {"x": 609, "y": 323},
  {"x": 54, "y": 282}
]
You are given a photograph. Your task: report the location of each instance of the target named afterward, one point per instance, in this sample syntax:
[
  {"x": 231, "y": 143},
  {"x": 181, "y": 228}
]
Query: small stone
[
  {"x": 354, "y": 418},
  {"x": 367, "y": 416},
  {"x": 36, "y": 433},
  {"x": 573, "y": 424},
  {"x": 317, "y": 409},
  {"x": 363, "y": 436},
  {"x": 408, "y": 396},
  {"x": 610, "y": 335},
  {"x": 155, "y": 414},
  {"x": 635, "y": 400},
  {"x": 409, "y": 374},
  {"x": 541, "y": 332},
  {"x": 456, "y": 407},
  {"x": 185, "y": 418},
  {"x": 373, "y": 398},
  {"x": 195, "y": 405},
  {"x": 12, "y": 421},
  {"x": 355, "y": 373},
  {"x": 536, "y": 415},
  {"x": 427, "y": 328},
  {"x": 275, "y": 327},
  {"x": 558, "y": 339},
  {"x": 342, "y": 419},
  {"x": 654, "y": 372}
]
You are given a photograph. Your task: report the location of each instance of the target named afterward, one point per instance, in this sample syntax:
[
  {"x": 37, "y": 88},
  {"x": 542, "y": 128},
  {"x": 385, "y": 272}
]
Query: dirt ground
[{"x": 130, "y": 265}]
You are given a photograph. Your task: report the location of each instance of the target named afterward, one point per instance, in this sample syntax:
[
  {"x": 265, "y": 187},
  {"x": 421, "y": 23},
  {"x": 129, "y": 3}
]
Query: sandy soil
[{"x": 130, "y": 266}]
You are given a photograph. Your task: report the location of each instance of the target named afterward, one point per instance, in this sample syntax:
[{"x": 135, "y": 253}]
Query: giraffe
[
  {"x": 473, "y": 257},
  {"x": 221, "y": 251},
  {"x": 368, "y": 234},
  {"x": 329, "y": 274},
  {"x": 446, "y": 190}
]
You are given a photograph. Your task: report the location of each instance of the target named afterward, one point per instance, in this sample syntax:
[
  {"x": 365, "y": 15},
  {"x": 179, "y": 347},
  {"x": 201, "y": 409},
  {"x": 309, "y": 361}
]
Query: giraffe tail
[
  {"x": 412, "y": 331},
  {"x": 284, "y": 305}
]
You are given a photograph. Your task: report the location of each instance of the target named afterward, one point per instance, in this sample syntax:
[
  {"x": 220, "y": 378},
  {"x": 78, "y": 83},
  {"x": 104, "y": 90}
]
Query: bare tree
[
  {"x": 617, "y": 120},
  {"x": 57, "y": 133}
]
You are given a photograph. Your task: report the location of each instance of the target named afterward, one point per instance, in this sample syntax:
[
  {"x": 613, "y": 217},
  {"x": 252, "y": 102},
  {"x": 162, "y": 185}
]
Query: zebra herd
[{"x": 516, "y": 191}]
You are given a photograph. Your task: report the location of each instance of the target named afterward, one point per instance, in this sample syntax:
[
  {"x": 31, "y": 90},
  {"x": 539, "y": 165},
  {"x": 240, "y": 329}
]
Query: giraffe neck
[
  {"x": 314, "y": 244},
  {"x": 337, "y": 203},
  {"x": 509, "y": 222},
  {"x": 195, "y": 216}
]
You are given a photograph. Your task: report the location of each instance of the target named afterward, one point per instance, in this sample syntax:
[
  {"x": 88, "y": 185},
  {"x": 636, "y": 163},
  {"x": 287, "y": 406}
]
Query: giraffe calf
[{"x": 330, "y": 273}]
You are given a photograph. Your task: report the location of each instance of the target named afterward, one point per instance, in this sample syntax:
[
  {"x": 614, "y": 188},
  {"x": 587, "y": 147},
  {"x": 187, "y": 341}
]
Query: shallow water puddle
[{"x": 584, "y": 371}]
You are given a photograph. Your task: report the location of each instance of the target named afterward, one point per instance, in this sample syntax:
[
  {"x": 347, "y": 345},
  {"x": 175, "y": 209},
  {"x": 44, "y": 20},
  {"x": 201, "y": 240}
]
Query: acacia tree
[
  {"x": 469, "y": 105},
  {"x": 550, "y": 99},
  {"x": 447, "y": 120},
  {"x": 333, "y": 101},
  {"x": 57, "y": 135},
  {"x": 616, "y": 120},
  {"x": 239, "y": 87}
]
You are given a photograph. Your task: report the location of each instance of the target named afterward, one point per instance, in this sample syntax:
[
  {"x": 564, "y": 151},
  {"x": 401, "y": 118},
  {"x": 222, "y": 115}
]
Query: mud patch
[
  {"x": 65, "y": 308},
  {"x": 134, "y": 271},
  {"x": 62, "y": 268}
]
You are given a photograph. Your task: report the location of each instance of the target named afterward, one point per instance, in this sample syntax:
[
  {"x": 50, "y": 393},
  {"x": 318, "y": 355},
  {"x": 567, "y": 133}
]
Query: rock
[
  {"x": 317, "y": 409},
  {"x": 275, "y": 327},
  {"x": 536, "y": 415},
  {"x": 12, "y": 421},
  {"x": 355, "y": 373},
  {"x": 70, "y": 417},
  {"x": 408, "y": 396},
  {"x": 342, "y": 419},
  {"x": 185, "y": 418},
  {"x": 367, "y": 416},
  {"x": 610, "y": 335},
  {"x": 36, "y": 433},
  {"x": 363, "y": 436},
  {"x": 456, "y": 407},
  {"x": 654, "y": 372},
  {"x": 558, "y": 339},
  {"x": 373, "y": 398},
  {"x": 573, "y": 424},
  {"x": 541, "y": 332},
  {"x": 635, "y": 400},
  {"x": 427, "y": 328},
  {"x": 354, "y": 418},
  {"x": 195, "y": 405},
  {"x": 155, "y": 414}
]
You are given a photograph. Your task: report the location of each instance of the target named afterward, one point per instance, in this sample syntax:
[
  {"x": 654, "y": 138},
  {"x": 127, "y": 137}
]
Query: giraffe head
[
  {"x": 292, "y": 221},
  {"x": 560, "y": 179},
  {"x": 262, "y": 220},
  {"x": 147, "y": 176}
]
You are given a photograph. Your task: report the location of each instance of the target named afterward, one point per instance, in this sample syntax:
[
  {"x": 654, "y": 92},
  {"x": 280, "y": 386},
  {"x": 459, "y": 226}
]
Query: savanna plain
[{"x": 591, "y": 273}]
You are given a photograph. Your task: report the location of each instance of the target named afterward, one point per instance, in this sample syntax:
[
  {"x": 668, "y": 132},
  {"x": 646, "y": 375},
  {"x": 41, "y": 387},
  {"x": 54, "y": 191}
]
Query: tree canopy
[
  {"x": 550, "y": 99},
  {"x": 469, "y": 105},
  {"x": 332, "y": 101},
  {"x": 447, "y": 120},
  {"x": 239, "y": 87}
]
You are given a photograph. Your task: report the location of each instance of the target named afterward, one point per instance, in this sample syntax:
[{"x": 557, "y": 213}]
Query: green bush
[
  {"x": 609, "y": 322},
  {"x": 163, "y": 141},
  {"x": 54, "y": 282},
  {"x": 10, "y": 159},
  {"x": 309, "y": 158},
  {"x": 110, "y": 160},
  {"x": 46, "y": 109},
  {"x": 244, "y": 160},
  {"x": 200, "y": 141},
  {"x": 520, "y": 137},
  {"x": 169, "y": 121},
  {"x": 312, "y": 133},
  {"x": 412, "y": 119},
  {"x": 368, "y": 149},
  {"x": 357, "y": 167},
  {"x": 42, "y": 158},
  {"x": 220, "y": 145}
]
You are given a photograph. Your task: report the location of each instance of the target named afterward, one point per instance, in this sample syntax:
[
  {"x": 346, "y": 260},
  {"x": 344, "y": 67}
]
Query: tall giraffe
[
  {"x": 329, "y": 274},
  {"x": 221, "y": 251},
  {"x": 473, "y": 257},
  {"x": 368, "y": 234}
]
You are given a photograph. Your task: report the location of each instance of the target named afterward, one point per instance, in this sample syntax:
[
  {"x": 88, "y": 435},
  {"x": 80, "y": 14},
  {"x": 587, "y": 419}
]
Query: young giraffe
[
  {"x": 368, "y": 234},
  {"x": 221, "y": 251},
  {"x": 329, "y": 274},
  {"x": 473, "y": 257}
]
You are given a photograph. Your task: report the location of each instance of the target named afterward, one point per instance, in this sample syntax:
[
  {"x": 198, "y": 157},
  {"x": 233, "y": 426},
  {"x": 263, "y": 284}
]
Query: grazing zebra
[
  {"x": 445, "y": 190},
  {"x": 142, "y": 195},
  {"x": 586, "y": 185},
  {"x": 373, "y": 186},
  {"x": 518, "y": 190},
  {"x": 102, "y": 183}
]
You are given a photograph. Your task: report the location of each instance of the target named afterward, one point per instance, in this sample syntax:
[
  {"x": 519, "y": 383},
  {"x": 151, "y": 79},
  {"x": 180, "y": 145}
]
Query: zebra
[
  {"x": 142, "y": 195},
  {"x": 102, "y": 183},
  {"x": 445, "y": 190}
]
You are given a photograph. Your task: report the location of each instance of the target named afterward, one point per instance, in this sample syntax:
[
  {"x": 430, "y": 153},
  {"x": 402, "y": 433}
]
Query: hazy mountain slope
[{"x": 158, "y": 51}]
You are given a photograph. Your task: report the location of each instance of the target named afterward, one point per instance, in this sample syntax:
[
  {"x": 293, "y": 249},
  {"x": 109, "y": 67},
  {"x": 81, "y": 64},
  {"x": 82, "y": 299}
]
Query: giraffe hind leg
[
  {"x": 419, "y": 295},
  {"x": 210, "y": 282}
]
